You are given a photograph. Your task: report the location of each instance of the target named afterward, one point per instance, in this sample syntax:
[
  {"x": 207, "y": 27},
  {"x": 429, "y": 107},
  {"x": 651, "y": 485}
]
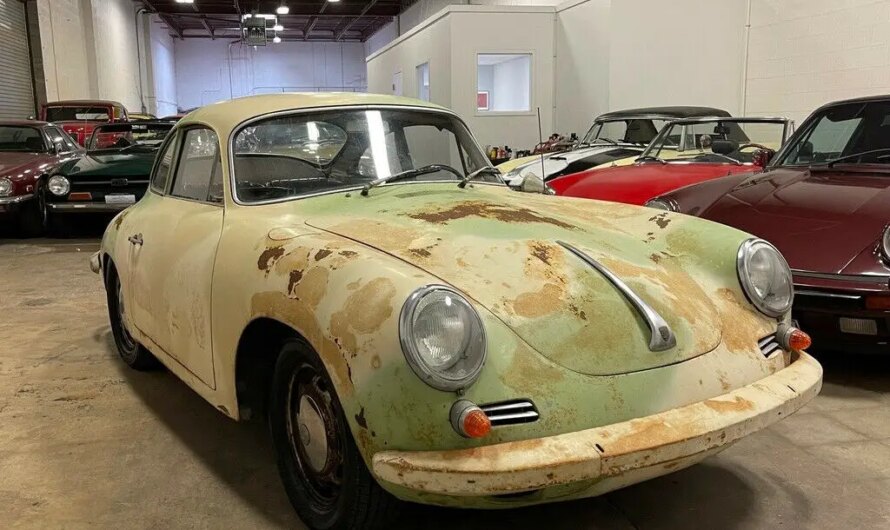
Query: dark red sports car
[
  {"x": 684, "y": 152},
  {"x": 30, "y": 153},
  {"x": 824, "y": 201}
]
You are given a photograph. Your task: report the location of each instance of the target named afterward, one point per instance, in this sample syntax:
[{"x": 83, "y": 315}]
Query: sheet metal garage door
[{"x": 16, "y": 94}]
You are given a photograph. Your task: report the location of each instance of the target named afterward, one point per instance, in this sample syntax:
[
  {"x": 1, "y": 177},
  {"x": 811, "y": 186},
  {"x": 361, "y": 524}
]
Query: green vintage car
[
  {"x": 110, "y": 177},
  {"x": 351, "y": 269}
]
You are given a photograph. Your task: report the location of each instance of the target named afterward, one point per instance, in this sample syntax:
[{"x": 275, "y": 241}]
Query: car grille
[
  {"x": 768, "y": 345},
  {"x": 510, "y": 412}
]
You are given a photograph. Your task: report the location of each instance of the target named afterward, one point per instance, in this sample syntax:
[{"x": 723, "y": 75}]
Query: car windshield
[
  {"x": 713, "y": 141},
  {"x": 630, "y": 131},
  {"x": 144, "y": 136},
  {"x": 77, "y": 113},
  {"x": 21, "y": 139},
  {"x": 854, "y": 133},
  {"x": 298, "y": 154}
]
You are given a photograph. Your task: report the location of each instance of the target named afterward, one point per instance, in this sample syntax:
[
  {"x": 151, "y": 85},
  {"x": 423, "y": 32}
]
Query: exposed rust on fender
[
  {"x": 364, "y": 312},
  {"x": 294, "y": 279},
  {"x": 542, "y": 251},
  {"x": 661, "y": 220},
  {"x": 420, "y": 252},
  {"x": 487, "y": 210},
  {"x": 269, "y": 257},
  {"x": 322, "y": 254},
  {"x": 539, "y": 303},
  {"x": 348, "y": 253},
  {"x": 737, "y": 405}
]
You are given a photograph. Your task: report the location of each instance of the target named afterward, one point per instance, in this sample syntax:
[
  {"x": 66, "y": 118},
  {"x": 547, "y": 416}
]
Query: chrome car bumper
[
  {"x": 612, "y": 456},
  {"x": 85, "y": 207},
  {"x": 16, "y": 199}
]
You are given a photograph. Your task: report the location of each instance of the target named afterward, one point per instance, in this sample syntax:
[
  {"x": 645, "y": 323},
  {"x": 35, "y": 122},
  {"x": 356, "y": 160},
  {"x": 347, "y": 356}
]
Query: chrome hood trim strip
[{"x": 661, "y": 337}]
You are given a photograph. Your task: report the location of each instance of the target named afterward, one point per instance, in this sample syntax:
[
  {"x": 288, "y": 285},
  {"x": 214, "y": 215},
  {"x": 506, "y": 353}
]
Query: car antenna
[{"x": 541, "y": 143}]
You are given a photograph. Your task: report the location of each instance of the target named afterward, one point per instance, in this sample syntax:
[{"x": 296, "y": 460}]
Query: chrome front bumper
[
  {"x": 85, "y": 207},
  {"x": 612, "y": 456},
  {"x": 16, "y": 199}
]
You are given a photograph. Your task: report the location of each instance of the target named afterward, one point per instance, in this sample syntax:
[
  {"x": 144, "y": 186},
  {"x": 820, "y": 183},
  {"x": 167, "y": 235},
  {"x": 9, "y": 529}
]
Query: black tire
[
  {"x": 130, "y": 351},
  {"x": 33, "y": 217},
  {"x": 342, "y": 495}
]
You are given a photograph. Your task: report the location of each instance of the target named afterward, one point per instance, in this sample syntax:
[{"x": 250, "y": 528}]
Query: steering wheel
[{"x": 758, "y": 146}]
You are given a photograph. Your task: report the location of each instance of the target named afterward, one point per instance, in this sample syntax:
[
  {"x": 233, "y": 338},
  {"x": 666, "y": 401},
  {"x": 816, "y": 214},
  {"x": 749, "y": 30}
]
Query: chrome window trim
[
  {"x": 692, "y": 121},
  {"x": 661, "y": 337},
  {"x": 824, "y": 294},
  {"x": 230, "y": 146}
]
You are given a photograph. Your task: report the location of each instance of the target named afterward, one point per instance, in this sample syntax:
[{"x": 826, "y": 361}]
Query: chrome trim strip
[
  {"x": 512, "y": 416},
  {"x": 661, "y": 336},
  {"x": 508, "y": 406},
  {"x": 843, "y": 277},
  {"x": 827, "y": 295},
  {"x": 16, "y": 199},
  {"x": 86, "y": 207},
  {"x": 769, "y": 348}
]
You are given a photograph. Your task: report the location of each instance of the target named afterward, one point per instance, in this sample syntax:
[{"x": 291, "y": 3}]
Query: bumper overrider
[{"x": 609, "y": 457}]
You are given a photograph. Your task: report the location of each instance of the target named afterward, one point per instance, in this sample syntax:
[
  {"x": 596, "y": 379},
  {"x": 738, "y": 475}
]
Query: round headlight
[
  {"x": 442, "y": 338},
  {"x": 663, "y": 204},
  {"x": 765, "y": 277},
  {"x": 58, "y": 185},
  {"x": 5, "y": 187}
]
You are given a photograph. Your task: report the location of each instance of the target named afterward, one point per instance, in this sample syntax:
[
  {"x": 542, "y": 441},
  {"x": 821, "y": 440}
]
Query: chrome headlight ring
[
  {"x": 5, "y": 187},
  {"x": 58, "y": 185},
  {"x": 885, "y": 244},
  {"x": 442, "y": 337},
  {"x": 765, "y": 277},
  {"x": 663, "y": 203}
]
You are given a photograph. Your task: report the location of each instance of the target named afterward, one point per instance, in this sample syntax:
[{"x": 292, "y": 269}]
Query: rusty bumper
[{"x": 624, "y": 452}]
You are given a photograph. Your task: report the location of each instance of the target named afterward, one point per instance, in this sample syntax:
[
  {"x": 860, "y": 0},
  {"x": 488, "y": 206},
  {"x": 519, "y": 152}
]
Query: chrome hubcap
[{"x": 312, "y": 434}]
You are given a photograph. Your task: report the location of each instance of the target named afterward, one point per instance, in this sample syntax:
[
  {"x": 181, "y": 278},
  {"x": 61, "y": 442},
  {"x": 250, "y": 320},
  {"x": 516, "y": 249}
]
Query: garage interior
[{"x": 87, "y": 442}]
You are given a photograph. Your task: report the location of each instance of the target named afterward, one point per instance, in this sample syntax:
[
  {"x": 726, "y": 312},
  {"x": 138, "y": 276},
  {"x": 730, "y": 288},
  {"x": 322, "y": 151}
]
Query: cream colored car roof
[{"x": 226, "y": 115}]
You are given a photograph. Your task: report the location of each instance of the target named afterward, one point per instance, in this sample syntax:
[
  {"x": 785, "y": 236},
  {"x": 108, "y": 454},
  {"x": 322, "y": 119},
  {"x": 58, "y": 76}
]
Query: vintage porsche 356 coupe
[
  {"x": 352, "y": 268},
  {"x": 685, "y": 152},
  {"x": 615, "y": 138},
  {"x": 824, "y": 201}
]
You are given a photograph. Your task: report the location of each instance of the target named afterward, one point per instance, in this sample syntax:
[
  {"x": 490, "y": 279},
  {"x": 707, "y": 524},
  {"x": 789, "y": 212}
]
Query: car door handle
[{"x": 135, "y": 240}]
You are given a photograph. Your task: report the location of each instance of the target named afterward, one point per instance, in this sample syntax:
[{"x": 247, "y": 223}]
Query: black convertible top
[{"x": 665, "y": 112}]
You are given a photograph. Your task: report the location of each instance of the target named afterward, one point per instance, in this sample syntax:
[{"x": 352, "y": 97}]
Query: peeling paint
[{"x": 269, "y": 257}]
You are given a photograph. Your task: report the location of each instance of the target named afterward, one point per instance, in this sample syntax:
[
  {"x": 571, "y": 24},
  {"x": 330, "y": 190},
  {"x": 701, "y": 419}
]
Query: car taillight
[{"x": 877, "y": 302}]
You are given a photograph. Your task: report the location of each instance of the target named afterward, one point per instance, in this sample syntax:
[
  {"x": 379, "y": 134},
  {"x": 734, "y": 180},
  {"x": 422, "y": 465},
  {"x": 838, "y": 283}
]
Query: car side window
[
  {"x": 162, "y": 170},
  {"x": 70, "y": 145},
  {"x": 56, "y": 136},
  {"x": 196, "y": 173}
]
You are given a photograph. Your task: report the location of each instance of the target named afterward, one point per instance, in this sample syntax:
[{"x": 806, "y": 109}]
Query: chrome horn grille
[
  {"x": 768, "y": 345},
  {"x": 510, "y": 412}
]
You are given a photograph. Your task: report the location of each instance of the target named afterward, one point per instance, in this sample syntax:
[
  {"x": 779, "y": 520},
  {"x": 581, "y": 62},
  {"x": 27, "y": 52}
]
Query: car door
[{"x": 174, "y": 253}]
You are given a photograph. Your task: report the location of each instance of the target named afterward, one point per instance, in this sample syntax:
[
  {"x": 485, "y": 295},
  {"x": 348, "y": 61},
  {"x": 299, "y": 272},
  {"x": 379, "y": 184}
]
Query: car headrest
[{"x": 724, "y": 147}]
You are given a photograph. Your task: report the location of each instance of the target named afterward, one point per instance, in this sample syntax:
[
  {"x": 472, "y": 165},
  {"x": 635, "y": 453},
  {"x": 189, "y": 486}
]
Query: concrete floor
[{"x": 85, "y": 442}]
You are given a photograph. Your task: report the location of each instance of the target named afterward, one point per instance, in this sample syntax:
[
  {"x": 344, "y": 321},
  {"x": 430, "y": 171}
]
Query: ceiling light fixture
[
  {"x": 185, "y": 1},
  {"x": 277, "y": 39},
  {"x": 333, "y": 1},
  {"x": 282, "y": 10},
  {"x": 277, "y": 27}
]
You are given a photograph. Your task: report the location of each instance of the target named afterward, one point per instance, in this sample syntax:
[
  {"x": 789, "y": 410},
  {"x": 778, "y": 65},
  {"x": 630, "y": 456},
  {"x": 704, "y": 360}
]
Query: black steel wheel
[
  {"x": 132, "y": 353},
  {"x": 323, "y": 472}
]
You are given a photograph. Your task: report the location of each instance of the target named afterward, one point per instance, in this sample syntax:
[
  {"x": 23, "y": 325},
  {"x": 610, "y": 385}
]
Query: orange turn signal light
[
  {"x": 798, "y": 340},
  {"x": 476, "y": 424},
  {"x": 877, "y": 302}
]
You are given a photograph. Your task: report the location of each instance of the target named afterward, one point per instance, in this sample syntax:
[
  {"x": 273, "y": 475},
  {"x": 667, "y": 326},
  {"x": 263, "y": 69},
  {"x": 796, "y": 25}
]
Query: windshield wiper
[
  {"x": 425, "y": 170},
  {"x": 651, "y": 157},
  {"x": 482, "y": 170},
  {"x": 831, "y": 163}
]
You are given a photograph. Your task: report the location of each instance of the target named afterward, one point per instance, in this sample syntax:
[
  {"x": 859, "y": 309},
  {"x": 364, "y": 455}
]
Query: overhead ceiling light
[
  {"x": 185, "y": 1},
  {"x": 277, "y": 39},
  {"x": 277, "y": 27},
  {"x": 333, "y": 1},
  {"x": 282, "y": 10}
]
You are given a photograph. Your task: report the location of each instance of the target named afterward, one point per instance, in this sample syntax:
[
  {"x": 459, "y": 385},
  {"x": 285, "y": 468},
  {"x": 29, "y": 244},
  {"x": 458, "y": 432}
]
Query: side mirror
[
  {"x": 532, "y": 183},
  {"x": 58, "y": 147},
  {"x": 762, "y": 157}
]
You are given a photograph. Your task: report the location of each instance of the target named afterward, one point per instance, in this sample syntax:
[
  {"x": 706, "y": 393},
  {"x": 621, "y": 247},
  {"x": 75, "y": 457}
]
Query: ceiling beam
[
  {"x": 204, "y": 23},
  {"x": 174, "y": 27},
  {"x": 367, "y": 8},
  {"x": 313, "y": 21}
]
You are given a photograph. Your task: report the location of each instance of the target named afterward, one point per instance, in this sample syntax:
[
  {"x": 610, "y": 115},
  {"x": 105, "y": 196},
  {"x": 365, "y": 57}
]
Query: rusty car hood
[
  {"x": 820, "y": 220},
  {"x": 501, "y": 249}
]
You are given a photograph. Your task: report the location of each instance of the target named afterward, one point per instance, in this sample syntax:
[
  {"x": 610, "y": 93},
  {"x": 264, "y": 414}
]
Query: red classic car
[
  {"x": 30, "y": 151},
  {"x": 684, "y": 152},
  {"x": 824, "y": 201},
  {"x": 80, "y": 117}
]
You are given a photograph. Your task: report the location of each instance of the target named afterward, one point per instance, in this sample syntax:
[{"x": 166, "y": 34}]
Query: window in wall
[
  {"x": 503, "y": 82},
  {"x": 423, "y": 81}
]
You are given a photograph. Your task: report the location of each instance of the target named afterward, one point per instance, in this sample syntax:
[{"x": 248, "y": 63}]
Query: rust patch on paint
[
  {"x": 375, "y": 362},
  {"x": 740, "y": 334},
  {"x": 322, "y": 254},
  {"x": 295, "y": 277},
  {"x": 487, "y": 210},
  {"x": 269, "y": 257},
  {"x": 541, "y": 251},
  {"x": 120, "y": 219},
  {"x": 360, "y": 419},
  {"x": 661, "y": 220},
  {"x": 313, "y": 286},
  {"x": 347, "y": 253},
  {"x": 364, "y": 312},
  {"x": 655, "y": 258},
  {"x": 535, "y": 304},
  {"x": 420, "y": 252},
  {"x": 739, "y": 404}
]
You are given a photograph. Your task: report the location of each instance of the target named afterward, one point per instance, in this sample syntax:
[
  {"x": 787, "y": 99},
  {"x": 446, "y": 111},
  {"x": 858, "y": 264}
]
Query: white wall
[
  {"x": 203, "y": 74},
  {"x": 804, "y": 54},
  {"x": 159, "y": 68},
  {"x": 114, "y": 32},
  {"x": 682, "y": 52}
]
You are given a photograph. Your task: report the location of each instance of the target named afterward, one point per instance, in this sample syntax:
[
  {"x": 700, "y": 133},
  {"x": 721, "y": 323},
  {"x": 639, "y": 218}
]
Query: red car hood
[
  {"x": 12, "y": 164},
  {"x": 640, "y": 182},
  {"x": 820, "y": 220}
]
